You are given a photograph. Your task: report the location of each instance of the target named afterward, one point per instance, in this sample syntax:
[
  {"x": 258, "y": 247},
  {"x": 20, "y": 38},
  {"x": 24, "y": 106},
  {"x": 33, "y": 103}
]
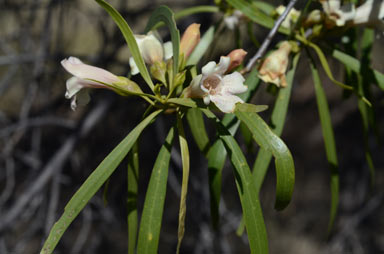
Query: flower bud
[
  {"x": 237, "y": 57},
  {"x": 126, "y": 86},
  {"x": 190, "y": 39},
  {"x": 273, "y": 68},
  {"x": 314, "y": 17},
  {"x": 291, "y": 18},
  {"x": 150, "y": 48}
]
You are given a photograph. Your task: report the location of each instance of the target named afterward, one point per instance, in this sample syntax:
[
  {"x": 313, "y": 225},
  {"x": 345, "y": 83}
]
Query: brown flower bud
[{"x": 237, "y": 57}]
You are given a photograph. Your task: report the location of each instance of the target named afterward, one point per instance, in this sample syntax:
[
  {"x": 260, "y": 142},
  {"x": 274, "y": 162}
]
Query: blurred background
[{"x": 47, "y": 151}]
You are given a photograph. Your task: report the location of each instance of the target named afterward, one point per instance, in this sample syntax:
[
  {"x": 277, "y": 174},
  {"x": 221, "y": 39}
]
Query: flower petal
[
  {"x": 150, "y": 48},
  {"x": 82, "y": 98},
  {"x": 84, "y": 71},
  {"x": 226, "y": 102},
  {"x": 234, "y": 83},
  {"x": 194, "y": 89},
  {"x": 74, "y": 85},
  {"x": 209, "y": 68},
  {"x": 134, "y": 68},
  {"x": 222, "y": 67},
  {"x": 168, "y": 50}
]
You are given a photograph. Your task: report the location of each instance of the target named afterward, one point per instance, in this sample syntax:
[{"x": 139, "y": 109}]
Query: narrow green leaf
[
  {"x": 278, "y": 117},
  {"x": 248, "y": 107},
  {"x": 184, "y": 185},
  {"x": 217, "y": 154},
  {"x": 367, "y": 113},
  {"x": 196, "y": 124},
  {"x": 166, "y": 15},
  {"x": 195, "y": 10},
  {"x": 327, "y": 69},
  {"x": 187, "y": 102},
  {"x": 216, "y": 160},
  {"x": 265, "y": 7},
  {"x": 201, "y": 47},
  {"x": 254, "y": 13},
  {"x": 268, "y": 140},
  {"x": 354, "y": 64},
  {"x": 130, "y": 39},
  {"x": 132, "y": 179},
  {"x": 151, "y": 218},
  {"x": 93, "y": 184},
  {"x": 329, "y": 142},
  {"x": 257, "y": 235}
]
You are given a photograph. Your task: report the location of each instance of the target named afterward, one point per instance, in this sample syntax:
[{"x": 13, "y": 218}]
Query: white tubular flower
[
  {"x": 84, "y": 76},
  {"x": 213, "y": 85},
  {"x": 291, "y": 18},
  {"x": 151, "y": 49}
]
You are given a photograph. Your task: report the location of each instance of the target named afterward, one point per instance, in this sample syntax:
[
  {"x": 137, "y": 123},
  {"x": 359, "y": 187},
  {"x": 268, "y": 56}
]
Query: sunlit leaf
[
  {"x": 130, "y": 39},
  {"x": 93, "y": 184},
  {"x": 166, "y": 15},
  {"x": 151, "y": 218}
]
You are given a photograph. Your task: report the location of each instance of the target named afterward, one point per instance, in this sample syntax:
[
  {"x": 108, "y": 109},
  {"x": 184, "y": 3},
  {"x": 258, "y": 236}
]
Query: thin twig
[{"x": 269, "y": 38}]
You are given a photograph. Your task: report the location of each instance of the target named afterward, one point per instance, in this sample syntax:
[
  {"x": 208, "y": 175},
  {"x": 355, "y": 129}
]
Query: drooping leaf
[
  {"x": 327, "y": 69},
  {"x": 217, "y": 154},
  {"x": 151, "y": 218},
  {"x": 278, "y": 116},
  {"x": 93, "y": 184},
  {"x": 166, "y": 15},
  {"x": 268, "y": 140},
  {"x": 130, "y": 39},
  {"x": 133, "y": 178},
  {"x": 184, "y": 184},
  {"x": 329, "y": 143},
  {"x": 253, "y": 217}
]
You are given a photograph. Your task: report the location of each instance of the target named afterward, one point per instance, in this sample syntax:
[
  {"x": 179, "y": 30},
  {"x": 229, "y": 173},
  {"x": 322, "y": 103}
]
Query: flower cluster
[{"x": 213, "y": 85}]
